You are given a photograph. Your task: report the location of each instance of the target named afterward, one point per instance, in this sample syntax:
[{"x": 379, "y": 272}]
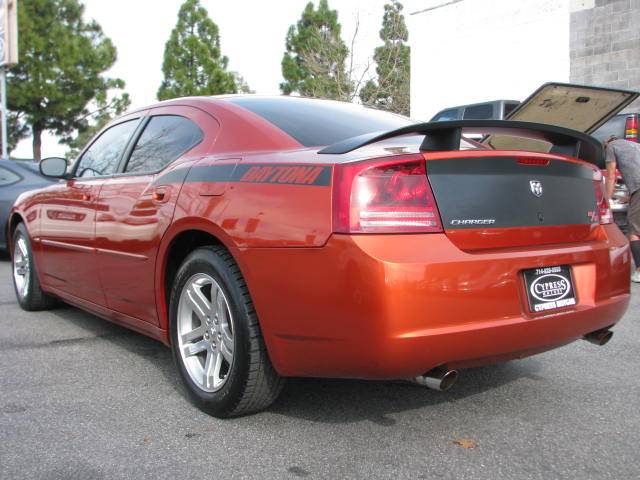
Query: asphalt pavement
[{"x": 81, "y": 398}]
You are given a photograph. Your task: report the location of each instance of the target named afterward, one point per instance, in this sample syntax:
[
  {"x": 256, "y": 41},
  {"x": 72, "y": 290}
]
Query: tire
[
  {"x": 26, "y": 284},
  {"x": 215, "y": 337}
]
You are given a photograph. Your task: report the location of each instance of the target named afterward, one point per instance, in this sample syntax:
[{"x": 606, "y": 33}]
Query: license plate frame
[{"x": 549, "y": 288}]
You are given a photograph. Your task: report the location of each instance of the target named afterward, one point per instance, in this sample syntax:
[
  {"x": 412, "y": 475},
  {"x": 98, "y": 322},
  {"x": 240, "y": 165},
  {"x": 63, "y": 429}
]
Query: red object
[
  {"x": 631, "y": 128},
  {"x": 351, "y": 267},
  {"x": 378, "y": 196}
]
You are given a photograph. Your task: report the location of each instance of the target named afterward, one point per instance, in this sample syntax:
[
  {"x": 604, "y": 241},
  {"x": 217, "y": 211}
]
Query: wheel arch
[
  {"x": 15, "y": 218},
  {"x": 182, "y": 238}
]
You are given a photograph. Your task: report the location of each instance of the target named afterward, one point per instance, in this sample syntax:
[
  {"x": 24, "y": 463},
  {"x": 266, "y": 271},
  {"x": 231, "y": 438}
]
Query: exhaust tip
[
  {"x": 441, "y": 379},
  {"x": 599, "y": 337},
  {"x": 448, "y": 380}
]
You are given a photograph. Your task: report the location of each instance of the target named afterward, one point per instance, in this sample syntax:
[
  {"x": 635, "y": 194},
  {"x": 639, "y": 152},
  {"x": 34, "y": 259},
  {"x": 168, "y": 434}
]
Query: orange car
[{"x": 269, "y": 237}]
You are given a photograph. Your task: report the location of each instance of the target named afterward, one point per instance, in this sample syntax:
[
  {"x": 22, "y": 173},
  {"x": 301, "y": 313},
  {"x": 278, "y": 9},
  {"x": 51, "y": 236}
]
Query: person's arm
[
  {"x": 610, "y": 159},
  {"x": 611, "y": 179}
]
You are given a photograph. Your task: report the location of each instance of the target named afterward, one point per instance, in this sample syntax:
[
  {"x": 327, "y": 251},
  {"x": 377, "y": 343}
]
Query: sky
[{"x": 252, "y": 35}]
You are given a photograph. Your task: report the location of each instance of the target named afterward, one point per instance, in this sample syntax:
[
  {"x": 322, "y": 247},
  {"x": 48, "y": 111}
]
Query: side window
[
  {"x": 7, "y": 177},
  {"x": 164, "y": 139},
  {"x": 451, "y": 114},
  {"x": 479, "y": 112},
  {"x": 103, "y": 155}
]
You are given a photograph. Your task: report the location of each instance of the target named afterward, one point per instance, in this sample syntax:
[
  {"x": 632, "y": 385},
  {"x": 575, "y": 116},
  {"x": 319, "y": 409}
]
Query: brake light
[
  {"x": 534, "y": 161},
  {"x": 631, "y": 128},
  {"x": 384, "y": 196},
  {"x": 603, "y": 215}
]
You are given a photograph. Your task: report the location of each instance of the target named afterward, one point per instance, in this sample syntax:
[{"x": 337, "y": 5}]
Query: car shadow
[
  {"x": 97, "y": 329},
  {"x": 347, "y": 401},
  {"x": 309, "y": 399}
]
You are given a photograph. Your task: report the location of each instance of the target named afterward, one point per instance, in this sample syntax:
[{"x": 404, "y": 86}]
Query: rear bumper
[{"x": 395, "y": 306}]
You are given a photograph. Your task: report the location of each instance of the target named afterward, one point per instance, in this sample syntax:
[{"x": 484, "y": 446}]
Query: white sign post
[{"x": 8, "y": 56}]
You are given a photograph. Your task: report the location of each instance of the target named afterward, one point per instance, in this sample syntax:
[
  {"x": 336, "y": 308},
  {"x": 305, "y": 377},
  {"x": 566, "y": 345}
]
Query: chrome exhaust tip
[
  {"x": 440, "y": 378},
  {"x": 599, "y": 337}
]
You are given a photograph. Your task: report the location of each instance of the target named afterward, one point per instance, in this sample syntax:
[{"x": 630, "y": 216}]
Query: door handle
[{"x": 86, "y": 197}]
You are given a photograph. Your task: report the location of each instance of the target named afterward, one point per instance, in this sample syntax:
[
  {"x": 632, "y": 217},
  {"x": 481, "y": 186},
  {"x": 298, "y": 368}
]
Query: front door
[
  {"x": 68, "y": 214},
  {"x": 136, "y": 208}
]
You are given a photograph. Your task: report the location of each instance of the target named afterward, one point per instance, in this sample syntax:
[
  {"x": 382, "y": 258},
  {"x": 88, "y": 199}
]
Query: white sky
[{"x": 252, "y": 34}]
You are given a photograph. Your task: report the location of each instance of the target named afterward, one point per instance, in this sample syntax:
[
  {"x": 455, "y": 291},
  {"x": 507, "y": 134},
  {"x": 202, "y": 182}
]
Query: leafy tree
[
  {"x": 17, "y": 129},
  {"x": 314, "y": 61},
  {"x": 193, "y": 63},
  {"x": 105, "y": 110},
  {"x": 62, "y": 61},
  {"x": 241, "y": 84},
  {"x": 391, "y": 89}
]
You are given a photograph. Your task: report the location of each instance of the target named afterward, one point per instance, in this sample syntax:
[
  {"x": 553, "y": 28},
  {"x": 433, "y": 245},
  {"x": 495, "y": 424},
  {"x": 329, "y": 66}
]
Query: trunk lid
[
  {"x": 513, "y": 199},
  {"x": 578, "y": 107}
]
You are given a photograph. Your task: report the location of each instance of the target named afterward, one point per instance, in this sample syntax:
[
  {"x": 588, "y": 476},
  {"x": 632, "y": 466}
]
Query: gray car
[{"x": 16, "y": 177}]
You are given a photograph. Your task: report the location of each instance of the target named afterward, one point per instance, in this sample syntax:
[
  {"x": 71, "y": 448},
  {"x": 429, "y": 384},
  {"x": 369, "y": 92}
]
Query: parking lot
[{"x": 82, "y": 398}]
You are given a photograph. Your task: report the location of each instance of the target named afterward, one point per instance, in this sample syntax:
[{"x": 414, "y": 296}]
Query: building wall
[
  {"x": 605, "y": 45},
  {"x": 477, "y": 50},
  {"x": 468, "y": 51}
]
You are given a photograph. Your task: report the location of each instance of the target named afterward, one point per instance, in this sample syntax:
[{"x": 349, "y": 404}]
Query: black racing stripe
[
  {"x": 211, "y": 173},
  {"x": 175, "y": 176},
  {"x": 280, "y": 174},
  {"x": 496, "y": 192}
]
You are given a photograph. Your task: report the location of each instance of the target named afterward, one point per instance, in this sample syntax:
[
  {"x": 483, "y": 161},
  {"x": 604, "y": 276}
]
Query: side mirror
[{"x": 55, "y": 167}]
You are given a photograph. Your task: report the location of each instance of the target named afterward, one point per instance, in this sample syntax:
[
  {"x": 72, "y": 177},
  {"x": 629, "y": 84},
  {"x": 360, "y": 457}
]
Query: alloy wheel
[
  {"x": 205, "y": 332},
  {"x": 21, "y": 267}
]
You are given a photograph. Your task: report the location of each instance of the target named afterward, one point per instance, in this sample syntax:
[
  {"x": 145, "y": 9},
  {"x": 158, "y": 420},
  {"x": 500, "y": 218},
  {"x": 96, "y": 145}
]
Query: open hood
[{"x": 576, "y": 107}]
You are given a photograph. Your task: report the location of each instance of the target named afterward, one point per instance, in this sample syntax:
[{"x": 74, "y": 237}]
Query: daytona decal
[
  {"x": 279, "y": 174},
  {"x": 269, "y": 174}
]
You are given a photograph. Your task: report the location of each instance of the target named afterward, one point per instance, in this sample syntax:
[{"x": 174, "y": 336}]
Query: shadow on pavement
[
  {"x": 345, "y": 401},
  {"x": 318, "y": 400}
]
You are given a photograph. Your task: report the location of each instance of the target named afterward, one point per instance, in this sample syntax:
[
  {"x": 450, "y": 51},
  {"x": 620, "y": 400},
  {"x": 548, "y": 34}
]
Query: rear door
[
  {"x": 68, "y": 213},
  {"x": 136, "y": 206}
]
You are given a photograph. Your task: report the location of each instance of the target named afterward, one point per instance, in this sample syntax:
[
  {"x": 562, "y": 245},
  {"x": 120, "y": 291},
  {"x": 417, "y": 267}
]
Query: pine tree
[
  {"x": 314, "y": 62},
  {"x": 105, "y": 111},
  {"x": 390, "y": 91},
  {"x": 193, "y": 63},
  {"x": 60, "y": 70}
]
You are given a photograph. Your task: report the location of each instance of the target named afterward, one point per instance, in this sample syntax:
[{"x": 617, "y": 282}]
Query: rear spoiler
[{"x": 446, "y": 136}]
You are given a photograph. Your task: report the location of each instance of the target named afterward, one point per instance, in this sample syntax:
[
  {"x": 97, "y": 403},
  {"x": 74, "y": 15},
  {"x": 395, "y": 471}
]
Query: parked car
[
  {"x": 269, "y": 237},
  {"x": 547, "y": 105},
  {"x": 16, "y": 177},
  {"x": 496, "y": 109}
]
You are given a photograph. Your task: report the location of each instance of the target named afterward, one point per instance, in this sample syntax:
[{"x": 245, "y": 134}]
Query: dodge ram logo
[
  {"x": 536, "y": 187},
  {"x": 548, "y": 288}
]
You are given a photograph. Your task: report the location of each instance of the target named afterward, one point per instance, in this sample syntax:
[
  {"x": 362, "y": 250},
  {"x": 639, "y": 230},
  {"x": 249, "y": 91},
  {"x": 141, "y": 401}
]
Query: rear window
[
  {"x": 316, "y": 123},
  {"x": 614, "y": 126}
]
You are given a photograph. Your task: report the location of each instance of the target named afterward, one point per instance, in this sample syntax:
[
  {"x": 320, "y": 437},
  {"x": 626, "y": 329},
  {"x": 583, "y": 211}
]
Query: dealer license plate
[{"x": 549, "y": 288}]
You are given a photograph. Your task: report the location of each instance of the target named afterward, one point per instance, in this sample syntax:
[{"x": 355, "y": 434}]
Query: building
[{"x": 468, "y": 51}]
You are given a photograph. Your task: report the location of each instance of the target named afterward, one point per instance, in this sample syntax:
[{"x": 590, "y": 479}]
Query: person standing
[{"x": 625, "y": 156}]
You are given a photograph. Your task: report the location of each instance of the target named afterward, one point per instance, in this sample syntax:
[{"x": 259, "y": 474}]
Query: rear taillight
[
  {"x": 384, "y": 196},
  {"x": 603, "y": 214},
  {"x": 631, "y": 128}
]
